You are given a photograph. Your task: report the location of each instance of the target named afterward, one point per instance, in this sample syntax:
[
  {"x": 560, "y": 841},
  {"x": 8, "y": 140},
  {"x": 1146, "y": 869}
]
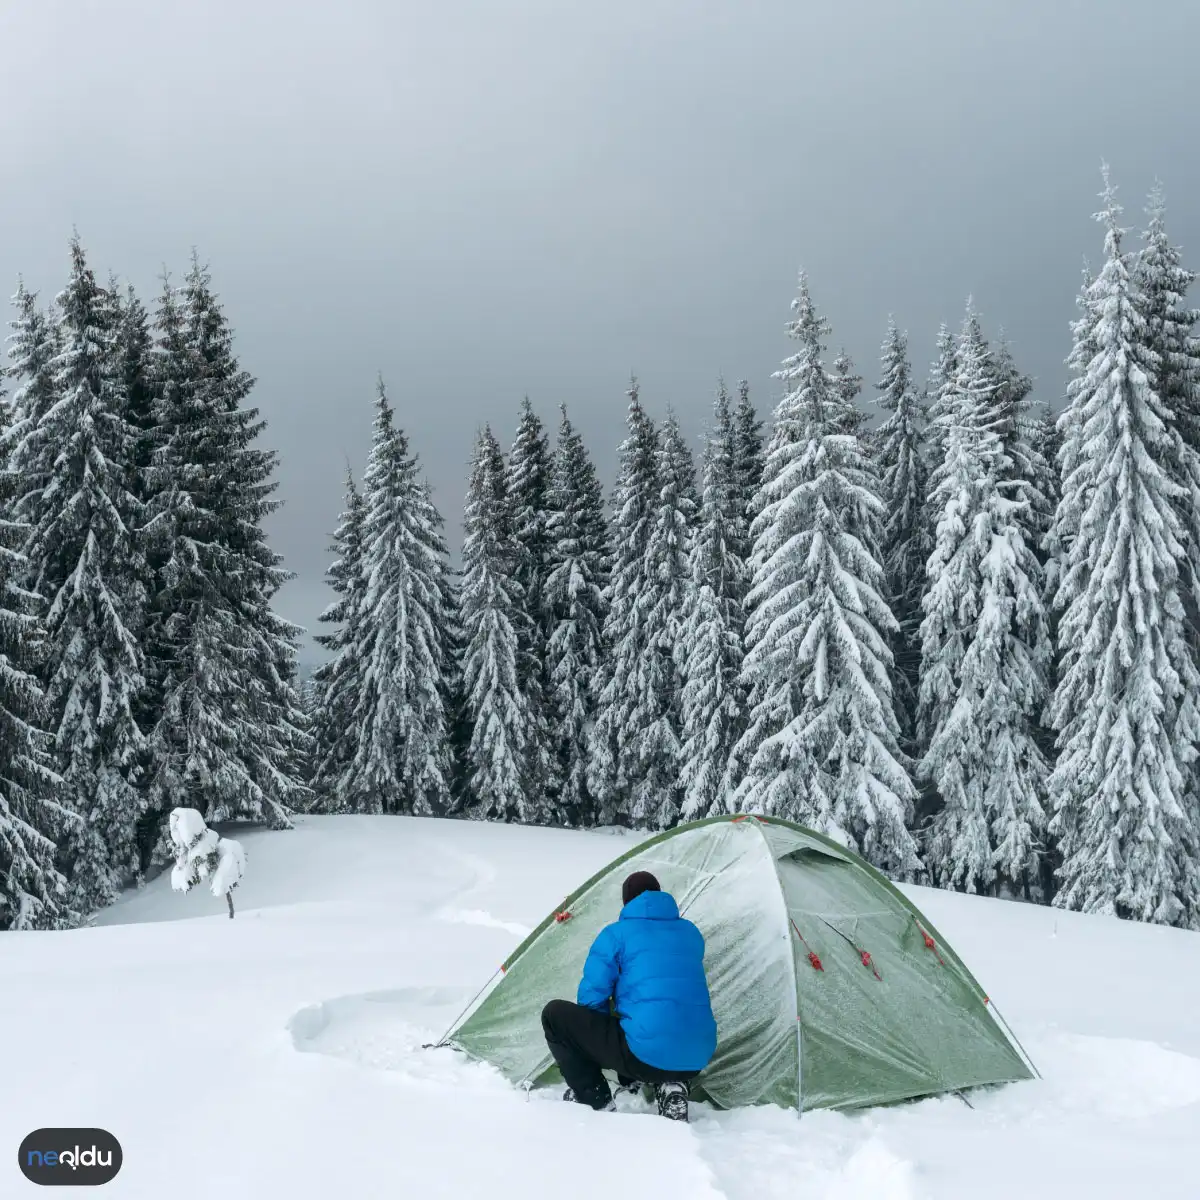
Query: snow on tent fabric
[{"x": 887, "y": 1012}]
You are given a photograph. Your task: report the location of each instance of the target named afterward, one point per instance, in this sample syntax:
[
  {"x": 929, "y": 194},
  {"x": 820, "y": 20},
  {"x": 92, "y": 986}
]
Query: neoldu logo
[{"x": 70, "y": 1157}]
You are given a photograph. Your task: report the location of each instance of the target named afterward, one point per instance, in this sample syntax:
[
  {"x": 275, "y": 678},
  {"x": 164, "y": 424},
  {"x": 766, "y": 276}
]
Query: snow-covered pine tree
[
  {"x": 1171, "y": 333},
  {"x": 528, "y": 485},
  {"x": 1175, "y": 354},
  {"x": 132, "y": 367},
  {"x": 613, "y": 763},
  {"x": 33, "y": 346},
  {"x": 660, "y": 612},
  {"x": 1027, "y": 470},
  {"x": 574, "y": 596},
  {"x": 492, "y": 612},
  {"x": 337, "y": 682},
  {"x": 403, "y": 762},
  {"x": 1127, "y": 671},
  {"x": 748, "y": 458},
  {"x": 33, "y": 893},
  {"x": 939, "y": 404},
  {"x": 848, "y": 385},
  {"x": 906, "y": 544},
  {"x": 84, "y": 556},
  {"x": 229, "y": 735},
  {"x": 985, "y": 645},
  {"x": 713, "y": 698},
  {"x": 821, "y": 746}
]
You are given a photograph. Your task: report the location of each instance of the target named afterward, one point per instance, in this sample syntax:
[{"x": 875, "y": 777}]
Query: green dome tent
[{"x": 830, "y": 989}]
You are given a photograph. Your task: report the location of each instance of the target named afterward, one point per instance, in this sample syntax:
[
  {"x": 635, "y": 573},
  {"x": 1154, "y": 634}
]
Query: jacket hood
[{"x": 653, "y": 906}]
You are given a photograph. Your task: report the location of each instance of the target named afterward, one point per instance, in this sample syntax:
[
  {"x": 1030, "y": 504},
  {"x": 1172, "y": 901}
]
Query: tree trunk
[{"x": 229, "y": 898}]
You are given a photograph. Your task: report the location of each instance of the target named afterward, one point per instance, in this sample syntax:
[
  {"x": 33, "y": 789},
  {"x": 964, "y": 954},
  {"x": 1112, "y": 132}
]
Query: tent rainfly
[{"x": 830, "y": 989}]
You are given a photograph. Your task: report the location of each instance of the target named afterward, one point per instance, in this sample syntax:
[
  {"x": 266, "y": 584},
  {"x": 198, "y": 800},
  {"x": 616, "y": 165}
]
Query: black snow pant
[{"x": 585, "y": 1042}]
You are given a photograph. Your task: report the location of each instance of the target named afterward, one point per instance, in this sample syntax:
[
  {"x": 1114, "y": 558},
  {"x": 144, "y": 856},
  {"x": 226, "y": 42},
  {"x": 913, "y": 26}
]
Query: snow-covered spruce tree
[
  {"x": 660, "y": 612},
  {"x": 337, "y": 682},
  {"x": 1171, "y": 335},
  {"x": 84, "y": 556},
  {"x": 201, "y": 853},
  {"x": 33, "y": 347},
  {"x": 33, "y": 892},
  {"x": 821, "y": 746},
  {"x": 939, "y": 404},
  {"x": 229, "y": 735},
  {"x": 574, "y": 597},
  {"x": 748, "y": 460},
  {"x": 1027, "y": 471},
  {"x": 713, "y": 698},
  {"x": 132, "y": 367},
  {"x": 1128, "y": 675},
  {"x": 402, "y": 762},
  {"x": 985, "y": 647},
  {"x": 492, "y": 611},
  {"x": 905, "y": 544},
  {"x": 528, "y": 485},
  {"x": 848, "y": 385},
  {"x": 613, "y": 760}
]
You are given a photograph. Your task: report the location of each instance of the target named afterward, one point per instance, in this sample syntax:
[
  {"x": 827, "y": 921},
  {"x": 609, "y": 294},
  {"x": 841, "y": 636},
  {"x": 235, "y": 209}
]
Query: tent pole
[
  {"x": 444, "y": 1039},
  {"x": 1017, "y": 1040}
]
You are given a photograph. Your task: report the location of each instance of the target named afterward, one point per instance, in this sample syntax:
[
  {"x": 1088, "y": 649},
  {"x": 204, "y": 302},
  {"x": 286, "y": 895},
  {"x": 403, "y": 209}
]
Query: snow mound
[
  {"x": 386, "y": 1031},
  {"x": 1119, "y": 1077}
]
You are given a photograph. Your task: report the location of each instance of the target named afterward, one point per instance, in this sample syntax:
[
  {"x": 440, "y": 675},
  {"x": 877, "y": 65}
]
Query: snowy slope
[{"x": 278, "y": 1055}]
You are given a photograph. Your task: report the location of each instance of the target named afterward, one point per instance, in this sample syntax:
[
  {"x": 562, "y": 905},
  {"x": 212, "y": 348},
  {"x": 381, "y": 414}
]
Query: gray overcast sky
[{"x": 483, "y": 199}]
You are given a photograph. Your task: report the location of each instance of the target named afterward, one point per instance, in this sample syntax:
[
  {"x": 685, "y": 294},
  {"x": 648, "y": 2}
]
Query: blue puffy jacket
[{"x": 651, "y": 962}]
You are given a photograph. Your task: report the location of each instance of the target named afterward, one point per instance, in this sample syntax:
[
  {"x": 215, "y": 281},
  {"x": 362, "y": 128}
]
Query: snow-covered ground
[{"x": 279, "y": 1055}]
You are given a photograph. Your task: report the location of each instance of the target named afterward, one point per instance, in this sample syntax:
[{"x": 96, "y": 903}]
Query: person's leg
[{"x": 583, "y": 1042}]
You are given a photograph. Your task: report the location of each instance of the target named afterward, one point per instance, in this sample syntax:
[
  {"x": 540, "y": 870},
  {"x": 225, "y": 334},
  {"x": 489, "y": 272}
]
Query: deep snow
[{"x": 279, "y": 1054}]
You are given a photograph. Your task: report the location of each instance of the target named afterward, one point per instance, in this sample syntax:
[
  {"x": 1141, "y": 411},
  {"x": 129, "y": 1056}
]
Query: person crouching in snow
[{"x": 643, "y": 1006}]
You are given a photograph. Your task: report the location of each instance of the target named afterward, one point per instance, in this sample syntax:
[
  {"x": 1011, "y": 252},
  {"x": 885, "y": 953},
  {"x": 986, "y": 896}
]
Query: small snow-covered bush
[{"x": 201, "y": 853}]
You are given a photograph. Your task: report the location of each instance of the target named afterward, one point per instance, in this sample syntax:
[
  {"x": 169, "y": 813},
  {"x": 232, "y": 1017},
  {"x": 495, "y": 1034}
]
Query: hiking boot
[
  {"x": 632, "y": 1086},
  {"x": 672, "y": 1100},
  {"x": 599, "y": 1098}
]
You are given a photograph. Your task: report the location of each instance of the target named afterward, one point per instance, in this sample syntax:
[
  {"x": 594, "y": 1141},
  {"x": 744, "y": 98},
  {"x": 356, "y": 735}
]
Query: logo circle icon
[{"x": 70, "y": 1157}]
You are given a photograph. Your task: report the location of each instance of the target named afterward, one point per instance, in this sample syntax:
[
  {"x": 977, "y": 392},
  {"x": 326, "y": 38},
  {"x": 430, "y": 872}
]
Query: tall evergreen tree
[
  {"x": 84, "y": 551},
  {"x": 1175, "y": 360},
  {"x": 403, "y": 763},
  {"x": 939, "y": 403},
  {"x": 713, "y": 700},
  {"x": 848, "y": 385},
  {"x": 614, "y": 761},
  {"x": 1128, "y": 675},
  {"x": 132, "y": 368},
  {"x": 748, "y": 459},
  {"x": 229, "y": 736},
  {"x": 492, "y": 608},
  {"x": 660, "y": 611},
  {"x": 528, "y": 485},
  {"x": 33, "y": 892},
  {"x": 337, "y": 683},
  {"x": 906, "y": 543},
  {"x": 821, "y": 746},
  {"x": 574, "y": 595},
  {"x": 33, "y": 347},
  {"x": 985, "y": 645}
]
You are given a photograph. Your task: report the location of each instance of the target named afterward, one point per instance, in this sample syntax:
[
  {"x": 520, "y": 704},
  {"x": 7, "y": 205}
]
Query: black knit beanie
[{"x": 636, "y": 884}]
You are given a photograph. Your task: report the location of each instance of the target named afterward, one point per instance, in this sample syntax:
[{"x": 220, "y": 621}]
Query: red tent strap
[
  {"x": 812, "y": 956},
  {"x": 560, "y": 917},
  {"x": 866, "y": 958},
  {"x": 930, "y": 944}
]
